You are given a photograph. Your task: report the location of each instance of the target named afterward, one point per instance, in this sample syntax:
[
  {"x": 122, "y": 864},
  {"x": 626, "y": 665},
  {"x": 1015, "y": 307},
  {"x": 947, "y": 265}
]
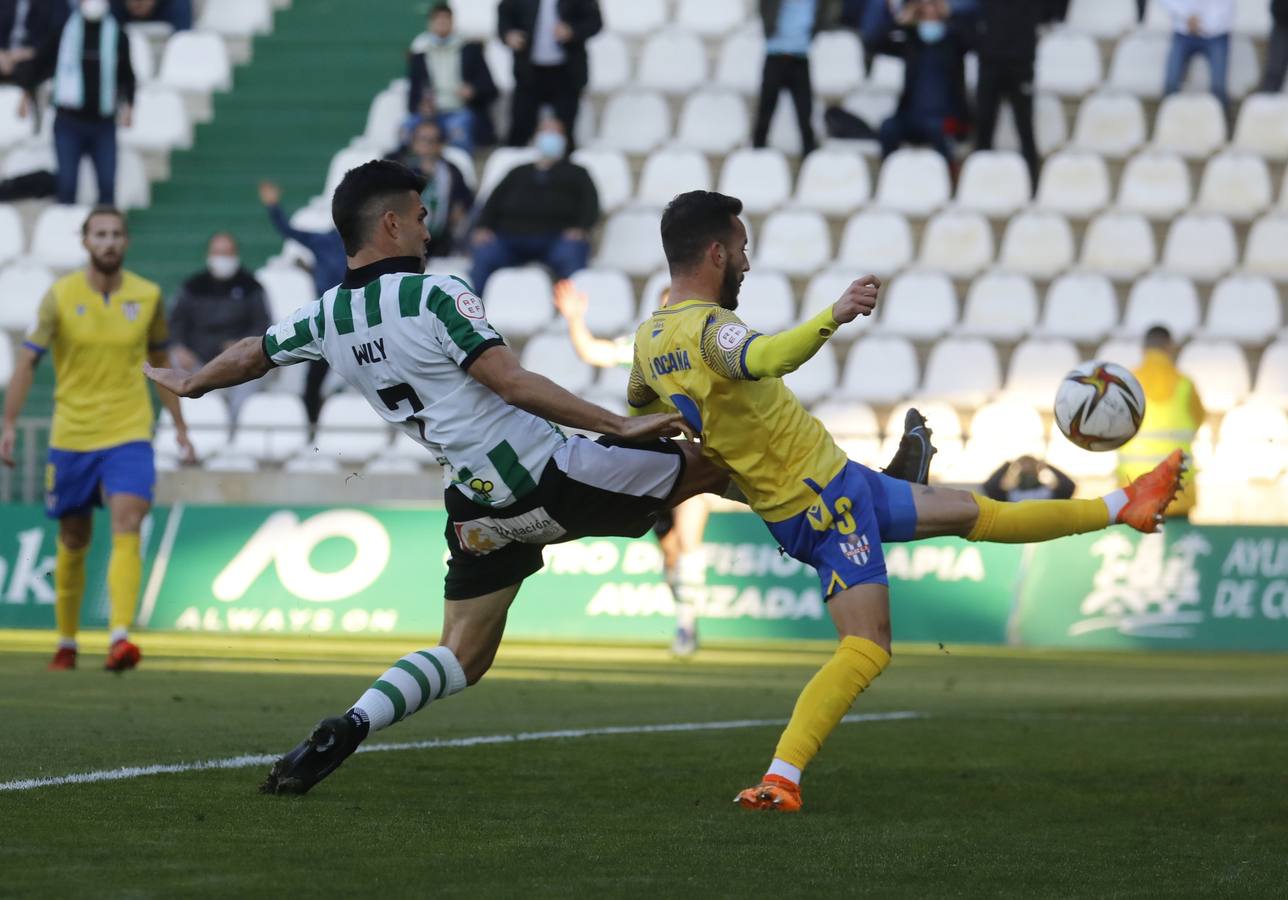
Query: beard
[
  {"x": 107, "y": 265},
  {"x": 730, "y": 285}
]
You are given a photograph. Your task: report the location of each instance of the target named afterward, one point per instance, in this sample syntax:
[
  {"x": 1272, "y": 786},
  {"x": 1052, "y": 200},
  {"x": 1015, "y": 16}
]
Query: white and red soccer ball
[{"x": 1099, "y": 406}]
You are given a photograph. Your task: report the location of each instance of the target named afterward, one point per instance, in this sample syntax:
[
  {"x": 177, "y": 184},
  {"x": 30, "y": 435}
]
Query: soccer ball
[{"x": 1099, "y": 406}]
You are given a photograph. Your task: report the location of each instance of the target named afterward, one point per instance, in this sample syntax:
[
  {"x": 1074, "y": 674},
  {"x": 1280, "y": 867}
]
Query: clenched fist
[{"x": 859, "y": 299}]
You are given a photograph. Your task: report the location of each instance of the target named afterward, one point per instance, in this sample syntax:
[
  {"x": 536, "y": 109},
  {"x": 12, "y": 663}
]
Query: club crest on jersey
[
  {"x": 856, "y": 549},
  {"x": 469, "y": 306},
  {"x": 80, "y": 309},
  {"x": 131, "y": 309},
  {"x": 730, "y": 336}
]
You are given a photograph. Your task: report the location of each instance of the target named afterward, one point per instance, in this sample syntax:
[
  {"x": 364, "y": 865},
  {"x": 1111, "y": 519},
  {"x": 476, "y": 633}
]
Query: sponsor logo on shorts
[
  {"x": 477, "y": 538},
  {"x": 483, "y": 536},
  {"x": 482, "y": 488},
  {"x": 730, "y": 336},
  {"x": 469, "y": 306},
  {"x": 856, "y": 549}
]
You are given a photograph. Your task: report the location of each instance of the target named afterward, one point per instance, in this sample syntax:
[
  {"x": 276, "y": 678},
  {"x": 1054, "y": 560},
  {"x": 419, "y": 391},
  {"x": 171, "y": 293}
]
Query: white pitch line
[{"x": 259, "y": 759}]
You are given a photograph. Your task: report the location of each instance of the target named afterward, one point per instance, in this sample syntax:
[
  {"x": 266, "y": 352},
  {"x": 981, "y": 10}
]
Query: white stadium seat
[
  {"x": 609, "y": 60},
  {"x": 945, "y": 422},
  {"x": 1074, "y": 183},
  {"x": 196, "y": 62},
  {"x": 288, "y": 288},
  {"x": 22, "y": 285},
  {"x": 501, "y": 162},
  {"x": 1127, "y": 353},
  {"x": 1235, "y": 185},
  {"x": 1220, "y": 370},
  {"x": 1049, "y": 125},
  {"x": 1080, "y": 306},
  {"x": 817, "y": 378},
  {"x": 874, "y": 107},
  {"x": 611, "y": 173},
  {"x": 962, "y": 371},
  {"x": 385, "y": 118},
  {"x": 1252, "y": 17},
  {"x": 635, "y": 122},
  {"x": 34, "y": 155},
  {"x": 56, "y": 242},
  {"x": 1155, "y": 184},
  {"x": 794, "y": 241},
  {"x": 142, "y": 57},
  {"x": 1037, "y": 368},
  {"x": 12, "y": 240},
  {"x": 999, "y": 431},
  {"x": 672, "y": 61},
  {"x": 1068, "y": 64},
  {"x": 1161, "y": 298},
  {"x": 994, "y": 182},
  {"x": 824, "y": 289},
  {"x": 161, "y": 122},
  {"x": 670, "y": 172},
  {"x": 6, "y": 361},
  {"x": 853, "y": 425},
  {"x": 1039, "y": 244},
  {"x": 13, "y": 129},
  {"x": 270, "y": 426},
  {"x": 1264, "y": 253},
  {"x": 611, "y": 307},
  {"x": 1243, "y": 71},
  {"x": 237, "y": 18},
  {"x": 1000, "y": 305},
  {"x": 1243, "y": 308},
  {"x": 651, "y": 296},
  {"x": 876, "y": 242},
  {"x": 1101, "y": 19},
  {"x": 1121, "y": 245},
  {"x": 714, "y": 122},
  {"x": 919, "y": 305},
  {"x": 1192, "y": 125},
  {"x": 886, "y": 74},
  {"x": 133, "y": 189},
  {"x": 766, "y": 302},
  {"x": 880, "y": 370},
  {"x": 553, "y": 356},
  {"x": 208, "y": 423},
  {"x": 1140, "y": 64},
  {"x": 711, "y": 18},
  {"x": 1201, "y": 245},
  {"x": 785, "y": 131},
  {"x": 957, "y": 242},
  {"x": 634, "y": 18},
  {"x": 475, "y": 21},
  {"x": 760, "y": 178},
  {"x": 1111, "y": 123},
  {"x": 914, "y": 182},
  {"x": 1272, "y": 375},
  {"x": 1253, "y": 440},
  {"x": 632, "y": 242},
  {"x": 310, "y": 462},
  {"x": 835, "y": 63},
  {"x": 1262, "y": 127},
  {"x": 342, "y": 162},
  {"x": 1077, "y": 463},
  {"x": 519, "y": 301},
  {"x": 833, "y": 182},
  {"x": 740, "y": 64},
  {"x": 349, "y": 430}
]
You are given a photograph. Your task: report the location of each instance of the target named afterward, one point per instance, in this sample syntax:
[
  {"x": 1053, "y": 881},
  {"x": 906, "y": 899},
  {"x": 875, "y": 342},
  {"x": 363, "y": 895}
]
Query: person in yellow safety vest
[{"x": 1173, "y": 414}]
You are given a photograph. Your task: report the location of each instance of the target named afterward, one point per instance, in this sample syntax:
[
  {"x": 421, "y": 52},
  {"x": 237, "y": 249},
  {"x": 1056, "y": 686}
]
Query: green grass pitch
[{"x": 1027, "y": 774}]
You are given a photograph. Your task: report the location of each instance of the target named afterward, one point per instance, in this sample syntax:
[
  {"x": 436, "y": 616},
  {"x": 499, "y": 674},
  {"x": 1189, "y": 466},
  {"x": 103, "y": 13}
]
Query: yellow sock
[
  {"x": 827, "y": 698},
  {"x": 69, "y": 589},
  {"x": 1030, "y": 521},
  {"x": 124, "y": 575}
]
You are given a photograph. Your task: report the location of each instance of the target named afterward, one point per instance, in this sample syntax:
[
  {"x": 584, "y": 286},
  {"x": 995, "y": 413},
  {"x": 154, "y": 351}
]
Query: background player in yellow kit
[
  {"x": 696, "y": 356},
  {"x": 101, "y": 323}
]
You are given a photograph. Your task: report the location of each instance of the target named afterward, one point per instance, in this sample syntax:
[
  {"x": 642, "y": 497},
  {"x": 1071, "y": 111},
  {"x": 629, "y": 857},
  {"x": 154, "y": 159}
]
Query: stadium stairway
[{"x": 304, "y": 94}]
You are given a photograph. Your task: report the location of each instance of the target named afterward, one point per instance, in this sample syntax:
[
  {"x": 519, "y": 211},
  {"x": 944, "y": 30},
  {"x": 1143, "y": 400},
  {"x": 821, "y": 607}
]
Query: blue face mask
[
  {"x": 551, "y": 145},
  {"x": 932, "y": 32}
]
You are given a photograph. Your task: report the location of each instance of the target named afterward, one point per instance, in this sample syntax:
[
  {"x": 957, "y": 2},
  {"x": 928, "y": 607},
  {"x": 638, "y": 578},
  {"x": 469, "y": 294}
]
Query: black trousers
[
  {"x": 1010, "y": 80},
  {"x": 790, "y": 72},
  {"x": 313, "y": 389},
  {"x": 536, "y": 86}
]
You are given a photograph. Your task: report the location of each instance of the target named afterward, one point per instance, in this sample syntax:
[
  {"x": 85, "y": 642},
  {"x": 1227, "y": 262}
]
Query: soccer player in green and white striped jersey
[{"x": 419, "y": 348}]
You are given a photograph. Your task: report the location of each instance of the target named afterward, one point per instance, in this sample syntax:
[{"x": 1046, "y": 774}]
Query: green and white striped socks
[{"x": 410, "y": 685}]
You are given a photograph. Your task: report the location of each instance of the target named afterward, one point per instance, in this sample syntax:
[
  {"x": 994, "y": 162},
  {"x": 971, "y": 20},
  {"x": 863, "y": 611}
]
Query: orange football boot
[
  {"x": 64, "y": 660},
  {"x": 123, "y": 655},
  {"x": 1149, "y": 495},
  {"x": 774, "y": 793}
]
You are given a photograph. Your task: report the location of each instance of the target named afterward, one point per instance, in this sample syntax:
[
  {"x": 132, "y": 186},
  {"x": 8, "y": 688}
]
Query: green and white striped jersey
[{"x": 405, "y": 342}]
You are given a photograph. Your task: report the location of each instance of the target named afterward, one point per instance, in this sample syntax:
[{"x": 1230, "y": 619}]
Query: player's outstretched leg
[
  {"x": 472, "y": 631},
  {"x": 911, "y": 462}
]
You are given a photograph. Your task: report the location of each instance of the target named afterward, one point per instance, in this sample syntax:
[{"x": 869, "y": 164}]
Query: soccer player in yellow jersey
[
  {"x": 101, "y": 323},
  {"x": 697, "y": 357}
]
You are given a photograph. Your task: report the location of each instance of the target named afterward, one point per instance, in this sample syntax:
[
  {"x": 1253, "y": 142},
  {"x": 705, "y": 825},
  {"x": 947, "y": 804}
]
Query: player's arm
[
  {"x": 244, "y": 361},
  {"x": 33, "y": 348},
  {"x": 593, "y": 351},
  {"x": 775, "y": 355}
]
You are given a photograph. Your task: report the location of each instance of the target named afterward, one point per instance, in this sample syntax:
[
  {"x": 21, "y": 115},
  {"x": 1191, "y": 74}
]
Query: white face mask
[
  {"x": 93, "y": 10},
  {"x": 223, "y": 267}
]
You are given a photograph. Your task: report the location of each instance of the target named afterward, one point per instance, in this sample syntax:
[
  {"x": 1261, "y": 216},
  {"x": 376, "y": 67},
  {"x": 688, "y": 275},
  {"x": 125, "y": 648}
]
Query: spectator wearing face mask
[
  {"x": 214, "y": 309},
  {"x": 89, "y": 61},
  {"x": 453, "y": 74},
  {"x": 176, "y": 13},
  {"x": 447, "y": 198},
  {"x": 1027, "y": 478},
  {"x": 540, "y": 212}
]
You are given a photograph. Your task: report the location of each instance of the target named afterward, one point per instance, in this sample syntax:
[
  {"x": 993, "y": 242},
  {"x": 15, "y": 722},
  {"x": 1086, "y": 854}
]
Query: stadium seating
[
  {"x": 836, "y": 63},
  {"x": 833, "y": 182},
  {"x": 634, "y": 18},
  {"x": 22, "y": 285},
  {"x": 519, "y": 301},
  {"x": 817, "y": 378},
  {"x": 609, "y": 62},
  {"x": 880, "y": 370},
  {"x": 288, "y": 288},
  {"x": 1161, "y": 298},
  {"x": 1110, "y": 123},
  {"x": 611, "y": 174},
  {"x": 1080, "y": 306},
  {"x": 1037, "y": 367},
  {"x": 1068, "y": 64},
  {"x": 1155, "y": 184},
  {"x": 1001, "y": 306},
  {"x": 1102, "y": 20},
  {"x": 1219, "y": 369},
  {"x": 918, "y": 305},
  {"x": 760, "y": 178},
  {"x": 1264, "y": 254},
  {"x": 1038, "y": 244},
  {"x": 611, "y": 309},
  {"x": 670, "y": 172},
  {"x": 631, "y": 242},
  {"x": 962, "y": 371},
  {"x": 1201, "y": 246},
  {"x": 766, "y": 302},
  {"x": 673, "y": 61},
  {"x": 1192, "y": 125},
  {"x": 1235, "y": 185},
  {"x": 958, "y": 243},
  {"x": 714, "y": 122},
  {"x": 553, "y": 356},
  {"x": 1074, "y": 184},
  {"x": 994, "y": 182},
  {"x": 711, "y": 18},
  {"x": 1120, "y": 245},
  {"x": 56, "y": 242},
  {"x": 914, "y": 182},
  {"x": 1272, "y": 375},
  {"x": 1262, "y": 126},
  {"x": 271, "y": 427},
  {"x": 1243, "y": 308},
  {"x": 349, "y": 431},
  {"x": 877, "y": 242},
  {"x": 794, "y": 241},
  {"x": 635, "y": 122}
]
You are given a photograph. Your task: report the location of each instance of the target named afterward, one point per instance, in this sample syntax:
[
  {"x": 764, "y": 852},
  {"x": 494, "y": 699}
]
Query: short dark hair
[
  {"x": 363, "y": 196},
  {"x": 1158, "y": 336},
  {"x": 440, "y": 8},
  {"x": 692, "y": 222},
  {"x": 103, "y": 210}
]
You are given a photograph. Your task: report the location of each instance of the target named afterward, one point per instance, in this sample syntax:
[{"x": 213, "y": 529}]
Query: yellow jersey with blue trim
[
  {"x": 692, "y": 356},
  {"x": 99, "y": 343}
]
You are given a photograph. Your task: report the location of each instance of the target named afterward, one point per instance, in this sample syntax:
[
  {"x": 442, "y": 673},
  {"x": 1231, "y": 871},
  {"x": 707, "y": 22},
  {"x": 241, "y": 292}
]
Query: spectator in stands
[
  {"x": 1173, "y": 415},
  {"x": 932, "y": 106},
  {"x": 1199, "y": 27},
  {"x": 25, "y": 25},
  {"x": 540, "y": 212},
  {"x": 1007, "y": 43},
  {"x": 791, "y": 26},
  {"x": 447, "y": 197},
  {"x": 177, "y": 13},
  {"x": 89, "y": 61},
  {"x": 329, "y": 264},
  {"x": 1022, "y": 479},
  {"x": 214, "y": 309},
  {"x": 548, "y": 38},
  {"x": 1277, "y": 53},
  {"x": 454, "y": 74}
]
